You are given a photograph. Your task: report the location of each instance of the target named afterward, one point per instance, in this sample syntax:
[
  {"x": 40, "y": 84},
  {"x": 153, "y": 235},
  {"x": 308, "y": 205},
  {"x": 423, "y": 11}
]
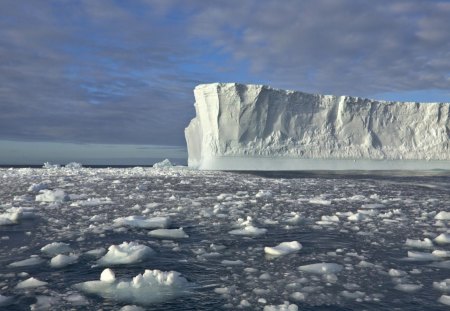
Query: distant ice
[
  {"x": 151, "y": 287},
  {"x": 163, "y": 164},
  {"x": 284, "y": 307}
]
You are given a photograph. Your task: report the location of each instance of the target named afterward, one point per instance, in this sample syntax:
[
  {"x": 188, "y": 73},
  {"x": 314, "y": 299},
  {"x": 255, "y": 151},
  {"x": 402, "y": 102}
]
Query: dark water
[{"x": 208, "y": 205}]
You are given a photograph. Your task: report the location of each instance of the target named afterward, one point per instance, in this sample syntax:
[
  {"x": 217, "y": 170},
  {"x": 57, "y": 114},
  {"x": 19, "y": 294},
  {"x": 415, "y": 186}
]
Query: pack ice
[{"x": 256, "y": 127}]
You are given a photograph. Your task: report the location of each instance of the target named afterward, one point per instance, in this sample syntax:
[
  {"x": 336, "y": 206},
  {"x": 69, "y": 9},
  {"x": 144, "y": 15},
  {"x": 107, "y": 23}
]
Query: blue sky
[{"x": 98, "y": 73}]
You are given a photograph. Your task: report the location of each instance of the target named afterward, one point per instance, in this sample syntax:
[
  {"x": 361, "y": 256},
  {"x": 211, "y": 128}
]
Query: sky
[{"x": 101, "y": 78}]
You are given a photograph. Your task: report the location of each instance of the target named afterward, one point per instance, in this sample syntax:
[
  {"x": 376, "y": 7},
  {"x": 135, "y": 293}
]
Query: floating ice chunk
[
  {"x": 77, "y": 299},
  {"x": 92, "y": 202},
  {"x": 5, "y": 300},
  {"x": 56, "y": 248},
  {"x": 57, "y": 195},
  {"x": 131, "y": 308},
  {"x": 169, "y": 233},
  {"x": 73, "y": 166},
  {"x": 408, "y": 288},
  {"x": 60, "y": 261},
  {"x": 443, "y": 286},
  {"x": 283, "y": 248},
  {"x": 30, "y": 283},
  {"x": 264, "y": 194},
  {"x": 443, "y": 238},
  {"x": 143, "y": 222},
  {"x": 98, "y": 252},
  {"x": 442, "y": 216},
  {"x": 154, "y": 286},
  {"x": 108, "y": 276},
  {"x": 357, "y": 217},
  {"x": 332, "y": 218},
  {"x": 125, "y": 253},
  {"x": 441, "y": 253},
  {"x": 38, "y": 187},
  {"x": 421, "y": 256},
  {"x": 322, "y": 268},
  {"x": 443, "y": 264},
  {"x": 284, "y": 307},
  {"x": 425, "y": 243},
  {"x": 163, "y": 164},
  {"x": 298, "y": 296},
  {"x": 249, "y": 230},
  {"x": 373, "y": 206},
  {"x": 396, "y": 273},
  {"x": 33, "y": 261},
  {"x": 49, "y": 166},
  {"x": 444, "y": 299},
  {"x": 319, "y": 201},
  {"x": 10, "y": 218}
]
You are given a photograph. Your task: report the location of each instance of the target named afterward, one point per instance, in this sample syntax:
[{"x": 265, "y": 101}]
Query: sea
[{"x": 175, "y": 238}]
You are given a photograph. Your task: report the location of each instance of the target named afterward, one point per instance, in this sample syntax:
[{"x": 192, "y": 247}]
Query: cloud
[{"x": 104, "y": 71}]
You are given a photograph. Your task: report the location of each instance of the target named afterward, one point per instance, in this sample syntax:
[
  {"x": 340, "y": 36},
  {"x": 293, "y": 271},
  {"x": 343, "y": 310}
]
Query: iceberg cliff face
[{"x": 257, "y": 127}]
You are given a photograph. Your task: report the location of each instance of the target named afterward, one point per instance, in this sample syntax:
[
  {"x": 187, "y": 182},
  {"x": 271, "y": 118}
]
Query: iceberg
[{"x": 256, "y": 127}]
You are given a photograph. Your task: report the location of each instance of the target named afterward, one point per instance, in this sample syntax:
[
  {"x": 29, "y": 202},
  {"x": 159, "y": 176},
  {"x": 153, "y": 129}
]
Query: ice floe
[
  {"x": 283, "y": 248},
  {"x": 151, "y": 287},
  {"x": 143, "y": 222},
  {"x": 30, "y": 283},
  {"x": 125, "y": 253},
  {"x": 322, "y": 268}
]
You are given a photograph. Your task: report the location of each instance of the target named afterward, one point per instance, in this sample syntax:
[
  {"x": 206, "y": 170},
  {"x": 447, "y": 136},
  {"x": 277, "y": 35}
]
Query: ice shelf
[{"x": 256, "y": 127}]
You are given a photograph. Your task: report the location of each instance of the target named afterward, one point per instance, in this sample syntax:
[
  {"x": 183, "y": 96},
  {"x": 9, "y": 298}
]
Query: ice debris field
[{"x": 173, "y": 238}]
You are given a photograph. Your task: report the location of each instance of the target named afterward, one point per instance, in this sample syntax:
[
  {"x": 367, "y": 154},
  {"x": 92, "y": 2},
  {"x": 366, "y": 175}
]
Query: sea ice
[
  {"x": 144, "y": 289},
  {"x": 443, "y": 286},
  {"x": 61, "y": 261},
  {"x": 322, "y": 268},
  {"x": 31, "y": 283},
  {"x": 32, "y": 261},
  {"x": 56, "y": 248},
  {"x": 408, "y": 288},
  {"x": 283, "y": 248},
  {"x": 444, "y": 299},
  {"x": 425, "y": 243},
  {"x": 143, "y": 222},
  {"x": 125, "y": 253},
  {"x": 169, "y": 233},
  {"x": 57, "y": 195},
  {"x": 249, "y": 230},
  {"x": 163, "y": 164},
  {"x": 442, "y": 216},
  {"x": 284, "y": 307},
  {"x": 443, "y": 238}
]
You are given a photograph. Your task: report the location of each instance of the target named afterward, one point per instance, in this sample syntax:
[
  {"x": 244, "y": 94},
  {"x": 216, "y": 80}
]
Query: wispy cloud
[{"x": 122, "y": 72}]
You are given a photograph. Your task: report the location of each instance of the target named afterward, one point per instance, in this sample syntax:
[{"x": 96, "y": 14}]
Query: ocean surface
[{"x": 369, "y": 240}]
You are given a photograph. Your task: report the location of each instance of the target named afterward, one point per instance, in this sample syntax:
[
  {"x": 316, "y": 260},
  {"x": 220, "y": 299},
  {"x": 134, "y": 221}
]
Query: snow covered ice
[
  {"x": 256, "y": 127},
  {"x": 174, "y": 238}
]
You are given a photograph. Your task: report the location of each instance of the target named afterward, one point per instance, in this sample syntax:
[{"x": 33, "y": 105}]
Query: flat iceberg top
[{"x": 257, "y": 127}]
